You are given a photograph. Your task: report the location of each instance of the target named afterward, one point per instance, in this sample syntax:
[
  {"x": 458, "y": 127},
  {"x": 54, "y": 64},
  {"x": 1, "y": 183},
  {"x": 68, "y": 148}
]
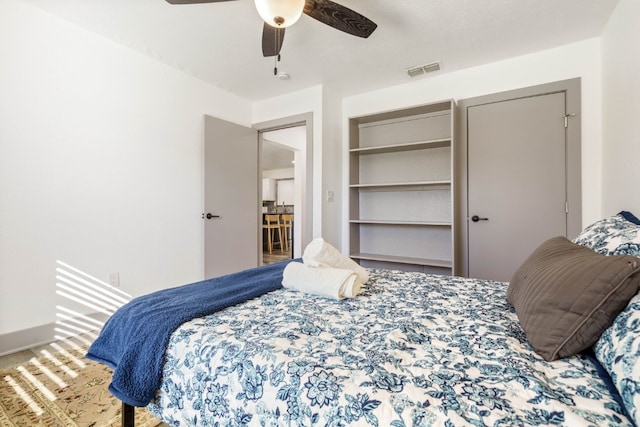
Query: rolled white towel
[
  {"x": 335, "y": 283},
  {"x": 319, "y": 253}
]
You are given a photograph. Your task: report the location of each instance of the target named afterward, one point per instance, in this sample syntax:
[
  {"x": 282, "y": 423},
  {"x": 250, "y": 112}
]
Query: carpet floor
[{"x": 61, "y": 390}]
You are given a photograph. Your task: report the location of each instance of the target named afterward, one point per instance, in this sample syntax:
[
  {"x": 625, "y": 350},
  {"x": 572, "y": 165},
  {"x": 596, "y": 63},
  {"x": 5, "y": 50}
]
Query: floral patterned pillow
[
  {"x": 616, "y": 235},
  {"x": 618, "y": 350}
]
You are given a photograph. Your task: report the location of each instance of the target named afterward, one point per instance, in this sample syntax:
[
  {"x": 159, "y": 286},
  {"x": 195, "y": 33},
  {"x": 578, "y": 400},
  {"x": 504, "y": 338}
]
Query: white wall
[
  {"x": 332, "y": 169},
  {"x": 100, "y": 163},
  {"x": 327, "y": 151},
  {"x": 279, "y": 173},
  {"x": 581, "y": 59},
  {"x": 621, "y": 110}
]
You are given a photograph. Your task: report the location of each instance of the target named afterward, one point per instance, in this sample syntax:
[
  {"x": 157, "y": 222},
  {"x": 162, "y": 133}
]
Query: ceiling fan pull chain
[{"x": 277, "y": 57}]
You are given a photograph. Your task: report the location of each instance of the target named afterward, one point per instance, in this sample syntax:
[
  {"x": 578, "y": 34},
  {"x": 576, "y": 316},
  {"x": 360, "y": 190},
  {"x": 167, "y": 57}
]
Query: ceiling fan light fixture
[{"x": 280, "y": 13}]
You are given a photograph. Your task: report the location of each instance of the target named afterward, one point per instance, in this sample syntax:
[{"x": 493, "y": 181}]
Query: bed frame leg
[{"x": 128, "y": 415}]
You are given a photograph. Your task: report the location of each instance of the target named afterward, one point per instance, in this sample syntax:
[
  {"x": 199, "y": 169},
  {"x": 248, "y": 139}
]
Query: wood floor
[
  {"x": 275, "y": 256},
  {"x": 24, "y": 356}
]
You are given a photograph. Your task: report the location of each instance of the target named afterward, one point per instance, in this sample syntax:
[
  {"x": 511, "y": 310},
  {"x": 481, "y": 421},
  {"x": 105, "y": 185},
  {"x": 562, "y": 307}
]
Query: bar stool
[
  {"x": 287, "y": 224},
  {"x": 272, "y": 222}
]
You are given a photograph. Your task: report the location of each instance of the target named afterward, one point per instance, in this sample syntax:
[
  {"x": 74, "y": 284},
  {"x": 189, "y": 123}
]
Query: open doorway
[{"x": 282, "y": 169}]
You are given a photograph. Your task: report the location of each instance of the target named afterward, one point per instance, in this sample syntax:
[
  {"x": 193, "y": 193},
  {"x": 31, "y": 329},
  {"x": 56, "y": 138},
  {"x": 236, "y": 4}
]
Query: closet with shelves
[{"x": 401, "y": 189}]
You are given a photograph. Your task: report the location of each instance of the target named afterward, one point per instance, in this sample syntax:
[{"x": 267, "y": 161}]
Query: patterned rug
[{"x": 61, "y": 390}]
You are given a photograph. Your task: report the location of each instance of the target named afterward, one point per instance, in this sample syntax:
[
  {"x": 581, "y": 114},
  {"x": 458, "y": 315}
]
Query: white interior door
[
  {"x": 516, "y": 181},
  {"x": 230, "y": 197}
]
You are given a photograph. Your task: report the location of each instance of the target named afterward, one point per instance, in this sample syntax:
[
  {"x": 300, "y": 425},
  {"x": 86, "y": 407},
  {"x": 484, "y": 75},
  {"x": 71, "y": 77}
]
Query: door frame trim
[
  {"x": 573, "y": 137},
  {"x": 304, "y": 119}
]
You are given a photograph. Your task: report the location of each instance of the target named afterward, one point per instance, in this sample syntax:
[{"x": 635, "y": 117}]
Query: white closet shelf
[
  {"x": 402, "y": 184},
  {"x": 392, "y": 222},
  {"x": 401, "y": 188},
  {"x": 403, "y": 260},
  {"x": 407, "y": 146}
]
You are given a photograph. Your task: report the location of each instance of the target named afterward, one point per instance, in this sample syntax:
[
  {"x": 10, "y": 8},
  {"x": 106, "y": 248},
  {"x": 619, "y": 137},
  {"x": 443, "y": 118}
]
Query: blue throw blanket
[{"x": 133, "y": 341}]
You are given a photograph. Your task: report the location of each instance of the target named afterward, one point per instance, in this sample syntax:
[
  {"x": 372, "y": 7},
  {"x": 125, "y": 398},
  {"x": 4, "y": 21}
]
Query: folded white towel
[
  {"x": 319, "y": 253},
  {"x": 335, "y": 283}
]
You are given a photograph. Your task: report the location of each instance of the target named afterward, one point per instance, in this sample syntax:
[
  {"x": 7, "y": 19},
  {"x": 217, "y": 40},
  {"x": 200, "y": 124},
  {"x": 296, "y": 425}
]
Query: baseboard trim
[{"x": 40, "y": 335}]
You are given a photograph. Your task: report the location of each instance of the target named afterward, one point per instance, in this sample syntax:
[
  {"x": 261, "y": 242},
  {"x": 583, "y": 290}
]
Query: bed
[{"x": 416, "y": 349}]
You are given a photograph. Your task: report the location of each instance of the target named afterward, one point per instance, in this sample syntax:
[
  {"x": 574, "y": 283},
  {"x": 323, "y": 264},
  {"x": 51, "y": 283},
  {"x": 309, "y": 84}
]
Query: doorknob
[
  {"x": 210, "y": 216},
  {"x": 476, "y": 218}
]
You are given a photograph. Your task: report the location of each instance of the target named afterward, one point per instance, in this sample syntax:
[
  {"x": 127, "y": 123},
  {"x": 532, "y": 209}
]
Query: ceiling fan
[{"x": 279, "y": 14}]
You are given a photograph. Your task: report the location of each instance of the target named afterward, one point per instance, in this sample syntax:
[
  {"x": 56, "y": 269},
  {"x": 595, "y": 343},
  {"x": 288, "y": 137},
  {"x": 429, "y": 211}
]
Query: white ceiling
[
  {"x": 275, "y": 156},
  {"x": 220, "y": 43}
]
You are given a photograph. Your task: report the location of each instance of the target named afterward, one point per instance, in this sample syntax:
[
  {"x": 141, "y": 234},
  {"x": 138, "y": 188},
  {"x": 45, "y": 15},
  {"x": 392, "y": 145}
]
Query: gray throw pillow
[{"x": 566, "y": 295}]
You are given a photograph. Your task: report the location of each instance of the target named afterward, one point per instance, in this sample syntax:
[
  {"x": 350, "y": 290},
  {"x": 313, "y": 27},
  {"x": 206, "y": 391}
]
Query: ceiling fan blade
[
  {"x": 340, "y": 17},
  {"x": 272, "y": 39},
  {"x": 194, "y": 1}
]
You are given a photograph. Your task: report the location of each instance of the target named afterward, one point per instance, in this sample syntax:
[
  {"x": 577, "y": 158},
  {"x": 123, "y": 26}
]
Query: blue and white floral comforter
[{"x": 413, "y": 350}]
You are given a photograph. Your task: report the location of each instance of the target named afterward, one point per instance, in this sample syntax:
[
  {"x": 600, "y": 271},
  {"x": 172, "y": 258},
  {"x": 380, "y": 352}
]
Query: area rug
[{"x": 62, "y": 389}]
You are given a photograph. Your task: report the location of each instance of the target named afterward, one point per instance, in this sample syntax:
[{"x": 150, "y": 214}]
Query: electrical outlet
[
  {"x": 114, "y": 279},
  {"x": 330, "y": 196}
]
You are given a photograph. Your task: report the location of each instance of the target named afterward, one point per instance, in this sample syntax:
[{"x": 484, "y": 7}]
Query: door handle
[
  {"x": 476, "y": 218},
  {"x": 210, "y": 216}
]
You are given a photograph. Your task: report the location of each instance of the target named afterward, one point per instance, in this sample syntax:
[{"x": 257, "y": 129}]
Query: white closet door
[{"x": 516, "y": 181}]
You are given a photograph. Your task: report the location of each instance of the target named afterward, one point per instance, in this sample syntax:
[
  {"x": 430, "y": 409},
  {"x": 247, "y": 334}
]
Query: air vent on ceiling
[{"x": 423, "y": 69}]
